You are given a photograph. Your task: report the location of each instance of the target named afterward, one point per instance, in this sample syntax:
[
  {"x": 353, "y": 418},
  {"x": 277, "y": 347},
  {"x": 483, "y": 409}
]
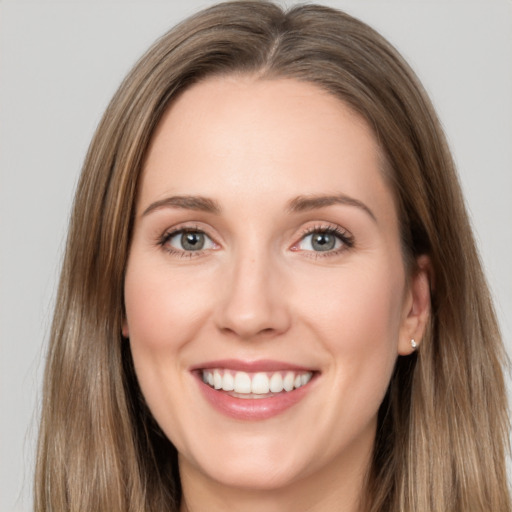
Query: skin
[{"x": 259, "y": 291}]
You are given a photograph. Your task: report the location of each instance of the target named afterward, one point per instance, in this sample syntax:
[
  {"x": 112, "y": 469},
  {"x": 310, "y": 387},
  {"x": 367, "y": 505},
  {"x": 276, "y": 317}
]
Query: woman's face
[{"x": 266, "y": 261}]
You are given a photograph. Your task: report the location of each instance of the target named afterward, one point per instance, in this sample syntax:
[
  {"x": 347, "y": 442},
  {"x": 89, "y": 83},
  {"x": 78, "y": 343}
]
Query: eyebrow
[
  {"x": 307, "y": 203},
  {"x": 296, "y": 205},
  {"x": 199, "y": 203}
]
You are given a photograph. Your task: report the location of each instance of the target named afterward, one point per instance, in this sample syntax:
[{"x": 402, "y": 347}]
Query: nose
[{"x": 253, "y": 302}]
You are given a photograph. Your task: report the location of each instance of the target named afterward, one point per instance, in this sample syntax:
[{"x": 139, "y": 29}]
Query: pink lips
[{"x": 246, "y": 408}]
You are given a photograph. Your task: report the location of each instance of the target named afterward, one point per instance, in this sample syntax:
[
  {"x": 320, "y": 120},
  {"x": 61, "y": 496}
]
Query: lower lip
[{"x": 252, "y": 409}]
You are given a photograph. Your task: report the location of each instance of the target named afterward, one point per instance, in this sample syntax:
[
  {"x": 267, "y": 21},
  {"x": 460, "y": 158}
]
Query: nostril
[{"x": 249, "y": 333}]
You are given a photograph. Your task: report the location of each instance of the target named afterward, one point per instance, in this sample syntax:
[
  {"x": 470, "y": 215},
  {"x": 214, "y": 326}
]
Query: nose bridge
[{"x": 253, "y": 302}]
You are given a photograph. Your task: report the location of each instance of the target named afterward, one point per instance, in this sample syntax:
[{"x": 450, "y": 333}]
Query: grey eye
[
  {"x": 323, "y": 241},
  {"x": 190, "y": 241},
  {"x": 320, "y": 241}
]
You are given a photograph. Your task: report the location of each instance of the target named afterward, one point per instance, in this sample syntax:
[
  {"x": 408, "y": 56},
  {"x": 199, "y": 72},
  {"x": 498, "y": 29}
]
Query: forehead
[{"x": 262, "y": 138}]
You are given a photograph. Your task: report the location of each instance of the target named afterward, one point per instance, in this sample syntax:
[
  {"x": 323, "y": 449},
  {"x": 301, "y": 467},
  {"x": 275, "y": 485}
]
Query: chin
[
  {"x": 256, "y": 477},
  {"x": 257, "y": 466}
]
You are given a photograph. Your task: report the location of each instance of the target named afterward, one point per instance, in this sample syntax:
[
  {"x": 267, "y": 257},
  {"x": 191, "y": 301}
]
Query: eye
[
  {"x": 324, "y": 240},
  {"x": 187, "y": 240}
]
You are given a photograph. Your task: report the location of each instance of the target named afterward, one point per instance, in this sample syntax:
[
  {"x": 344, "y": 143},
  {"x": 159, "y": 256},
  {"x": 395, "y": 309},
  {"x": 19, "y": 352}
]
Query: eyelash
[
  {"x": 346, "y": 239},
  {"x": 168, "y": 235},
  {"x": 343, "y": 236}
]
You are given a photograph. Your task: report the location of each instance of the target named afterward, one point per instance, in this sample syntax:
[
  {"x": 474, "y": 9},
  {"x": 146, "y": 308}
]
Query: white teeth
[
  {"x": 288, "y": 381},
  {"x": 305, "y": 378},
  {"x": 242, "y": 382},
  {"x": 276, "y": 383},
  {"x": 228, "y": 382},
  {"x": 260, "y": 383},
  {"x": 217, "y": 379}
]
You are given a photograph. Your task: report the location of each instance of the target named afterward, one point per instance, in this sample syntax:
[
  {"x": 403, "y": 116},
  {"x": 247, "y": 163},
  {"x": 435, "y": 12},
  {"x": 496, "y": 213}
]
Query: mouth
[
  {"x": 254, "y": 385},
  {"x": 253, "y": 391}
]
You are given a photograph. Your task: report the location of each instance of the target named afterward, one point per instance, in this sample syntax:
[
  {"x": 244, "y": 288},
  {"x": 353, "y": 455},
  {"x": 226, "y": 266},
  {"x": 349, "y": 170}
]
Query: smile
[
  {"x": 255, "y": 385},
  {"x": 253, "y": 391}
]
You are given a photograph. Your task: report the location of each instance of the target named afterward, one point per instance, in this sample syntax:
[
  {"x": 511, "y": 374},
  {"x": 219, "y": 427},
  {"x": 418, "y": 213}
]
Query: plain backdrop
[{"x": 60, "y": 62}]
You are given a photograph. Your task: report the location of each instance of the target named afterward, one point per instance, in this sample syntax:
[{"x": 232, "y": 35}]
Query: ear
[
  {"x": 416, "y": 312},
  {"x": 124, "y": 329}
]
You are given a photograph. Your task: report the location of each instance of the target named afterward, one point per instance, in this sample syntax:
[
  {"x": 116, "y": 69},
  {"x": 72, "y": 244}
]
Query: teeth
[
  {"x": 305, "y": 378},
  {"x": 260, "y": 383},
  {"x": 276, "y": 383},
  {"x": 242, "y": 382},
  {"x": 217, "y": 379},
  {"x": 288, "y": 381},
  {"x": 228, "y": 382}
]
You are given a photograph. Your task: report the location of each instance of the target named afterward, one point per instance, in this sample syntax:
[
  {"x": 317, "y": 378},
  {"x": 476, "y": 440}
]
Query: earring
[{"x": 414, "y": 345}]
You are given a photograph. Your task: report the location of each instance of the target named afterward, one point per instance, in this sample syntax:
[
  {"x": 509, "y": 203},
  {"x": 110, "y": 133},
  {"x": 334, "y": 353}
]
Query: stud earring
[{"x": 414, "y": 345}]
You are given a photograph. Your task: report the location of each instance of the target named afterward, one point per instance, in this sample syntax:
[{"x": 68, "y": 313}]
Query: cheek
[
  {"x": 351, "y": 304},
  {"x": 357, "y": 317},
  {"x": 163, "y": 314},
  {"x": 357, "y": 320},
  {"x": 162, "y": 310}
]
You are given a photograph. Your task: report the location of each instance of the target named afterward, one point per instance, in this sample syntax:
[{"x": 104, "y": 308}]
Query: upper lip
[{"x": 262, "y": 365}]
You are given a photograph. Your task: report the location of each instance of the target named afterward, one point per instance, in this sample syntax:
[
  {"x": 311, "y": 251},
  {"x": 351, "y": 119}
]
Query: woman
[{"x": 271, "y": 295}]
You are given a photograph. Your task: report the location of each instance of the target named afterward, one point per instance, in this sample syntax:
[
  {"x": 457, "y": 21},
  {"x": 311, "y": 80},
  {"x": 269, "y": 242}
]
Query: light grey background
[{"x": 60, "y": 62}]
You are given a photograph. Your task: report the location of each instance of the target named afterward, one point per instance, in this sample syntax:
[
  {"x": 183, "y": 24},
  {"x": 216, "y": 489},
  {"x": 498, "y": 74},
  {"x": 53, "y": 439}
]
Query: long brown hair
[{"x": 443, "y": 426}]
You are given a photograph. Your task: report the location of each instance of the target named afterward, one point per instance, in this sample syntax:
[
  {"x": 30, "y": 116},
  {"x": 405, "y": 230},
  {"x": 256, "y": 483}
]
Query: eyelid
[
  {"x": 346, "y": 238},
  {"x": 168, "y": 234},
  {"x": 181, "y": 232},
  {"x": 342, "y": 234}
]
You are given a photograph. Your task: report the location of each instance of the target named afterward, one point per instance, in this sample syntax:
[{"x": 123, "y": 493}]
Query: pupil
[
  {"x": 323, "y": 242},
  {"x": 192, "y": 241}
]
